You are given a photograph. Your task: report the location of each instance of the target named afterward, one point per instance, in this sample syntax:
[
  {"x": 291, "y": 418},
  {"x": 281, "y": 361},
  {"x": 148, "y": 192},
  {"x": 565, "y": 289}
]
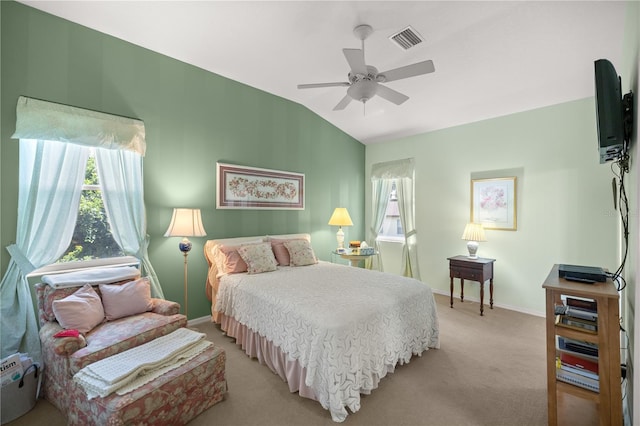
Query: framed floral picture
[
  {"x": 493, "y": 203},
  {"x": 241, "y": 187}
]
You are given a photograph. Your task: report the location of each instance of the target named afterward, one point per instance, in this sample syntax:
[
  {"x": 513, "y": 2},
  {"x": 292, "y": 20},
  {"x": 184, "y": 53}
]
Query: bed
[{"x": 330, "y": 331}]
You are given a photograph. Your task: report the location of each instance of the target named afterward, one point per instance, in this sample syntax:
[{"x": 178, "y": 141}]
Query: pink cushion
[
  {"x": 228, "y": 260},
  {"x": 81, "y": 310},
  {"x": 231, "y": 261},
  {"x": 280, "y": 251},
  {"x": 126, "y": 299}
]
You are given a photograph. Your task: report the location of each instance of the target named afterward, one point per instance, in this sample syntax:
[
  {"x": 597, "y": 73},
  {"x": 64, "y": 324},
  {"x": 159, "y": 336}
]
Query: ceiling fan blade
[
  {"x": 391, "y": 95},
  {"x": 315, "y": 85},
  {"x": 355, "y": 58},
  {"x": 407, "y": 71},
  {"x": 343, "y": 103}
]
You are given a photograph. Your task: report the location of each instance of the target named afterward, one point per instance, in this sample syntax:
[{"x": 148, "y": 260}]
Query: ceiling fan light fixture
[{"x": 363, "y": 90}]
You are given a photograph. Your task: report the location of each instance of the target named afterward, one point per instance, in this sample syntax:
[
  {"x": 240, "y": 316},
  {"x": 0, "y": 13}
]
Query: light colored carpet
[{"x": 489, "y": 370}]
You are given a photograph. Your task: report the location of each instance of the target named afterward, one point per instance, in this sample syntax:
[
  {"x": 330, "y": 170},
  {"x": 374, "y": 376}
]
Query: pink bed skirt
[{"x": 269, "y": 354}]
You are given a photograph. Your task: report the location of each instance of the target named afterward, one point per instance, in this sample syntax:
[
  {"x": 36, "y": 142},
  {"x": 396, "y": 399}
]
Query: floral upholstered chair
[{"x": 130, "y": 318}]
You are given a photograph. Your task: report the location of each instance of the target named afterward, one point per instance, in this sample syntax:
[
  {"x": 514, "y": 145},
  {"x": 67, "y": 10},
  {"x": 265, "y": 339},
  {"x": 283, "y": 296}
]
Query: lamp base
[
  {"x": 185, "y": 245},
  {"x": 340, "y": 238},
  {"x": 472, "y": 246}
]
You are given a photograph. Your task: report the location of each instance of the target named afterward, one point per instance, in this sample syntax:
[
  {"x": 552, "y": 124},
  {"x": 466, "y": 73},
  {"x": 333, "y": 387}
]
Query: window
[
  {"x": 391, "y": 228},
  {"x": 92, "y": 237}
]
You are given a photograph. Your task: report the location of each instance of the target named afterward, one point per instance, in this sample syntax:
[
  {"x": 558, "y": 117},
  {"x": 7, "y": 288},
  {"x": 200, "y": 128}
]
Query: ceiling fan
[{"x": 364, "y": 80}]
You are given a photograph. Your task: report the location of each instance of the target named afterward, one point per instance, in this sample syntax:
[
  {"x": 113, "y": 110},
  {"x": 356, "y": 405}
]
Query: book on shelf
[
  {"x": 588, "y": 365},
  {"x": 584, "y": 304},
  {"x": 577, "y": 323},
  {"x": 575, "y": 370},
  {"x": 578, "y": 380},
  {"x": 581, "y": 313},
  {"x": 579, "y": 347}
]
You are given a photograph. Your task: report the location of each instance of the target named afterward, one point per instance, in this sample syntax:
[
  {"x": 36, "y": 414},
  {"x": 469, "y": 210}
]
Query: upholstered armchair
[{"x": 65, "y": 356}]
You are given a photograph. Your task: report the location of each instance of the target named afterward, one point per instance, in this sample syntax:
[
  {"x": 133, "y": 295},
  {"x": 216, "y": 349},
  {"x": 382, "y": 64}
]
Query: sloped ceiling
[{"x": 491, "y": 58}]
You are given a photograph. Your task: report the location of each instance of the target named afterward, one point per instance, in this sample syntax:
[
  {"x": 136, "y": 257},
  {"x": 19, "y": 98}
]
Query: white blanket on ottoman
[{"x": 128, "y": 370}]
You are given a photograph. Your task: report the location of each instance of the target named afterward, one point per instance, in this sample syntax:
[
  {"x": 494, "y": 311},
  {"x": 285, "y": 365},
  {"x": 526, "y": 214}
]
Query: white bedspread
[{"x": 347, "y": 326}]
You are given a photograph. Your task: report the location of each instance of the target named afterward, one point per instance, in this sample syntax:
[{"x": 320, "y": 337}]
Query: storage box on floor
[{"x": 20, "y": 386}]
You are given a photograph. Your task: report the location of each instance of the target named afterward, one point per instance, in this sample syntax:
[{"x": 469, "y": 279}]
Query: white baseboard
[
  {"x": 499, "y": 305},
  {"x": 201, "y": 320}
]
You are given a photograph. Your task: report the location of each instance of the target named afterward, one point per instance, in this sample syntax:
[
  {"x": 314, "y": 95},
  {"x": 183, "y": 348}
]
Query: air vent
[{"x": 406, "y": 38}]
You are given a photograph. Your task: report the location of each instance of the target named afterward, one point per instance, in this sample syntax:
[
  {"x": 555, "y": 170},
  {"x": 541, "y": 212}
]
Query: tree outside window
[{"x": 92, "y": 237}]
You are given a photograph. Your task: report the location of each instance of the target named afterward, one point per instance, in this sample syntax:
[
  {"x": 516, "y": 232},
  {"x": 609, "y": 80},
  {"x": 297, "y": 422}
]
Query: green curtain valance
[
  {"x": 37, "y": 119},
  {"x": 396, "y": 169}
]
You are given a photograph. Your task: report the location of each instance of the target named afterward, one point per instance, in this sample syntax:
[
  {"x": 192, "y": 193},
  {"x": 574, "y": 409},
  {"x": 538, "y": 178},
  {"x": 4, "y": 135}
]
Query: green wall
[
  {"x": 193, "y": 119},
  {"x": 564, "y": 202}
]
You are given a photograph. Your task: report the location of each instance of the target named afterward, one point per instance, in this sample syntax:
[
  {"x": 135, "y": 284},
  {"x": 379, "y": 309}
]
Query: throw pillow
[
  {"x": 301, "y": 252},
  {"x": 81, "y": 310},
  {"x": 280, "y": 251},
  {"x": 126, "y": 299},
  {"x": 258, "y": 257},
  {"x": 228, "y": 260}
]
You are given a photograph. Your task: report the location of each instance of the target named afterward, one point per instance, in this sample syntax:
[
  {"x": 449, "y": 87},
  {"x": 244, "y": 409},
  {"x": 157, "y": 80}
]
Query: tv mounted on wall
[{"x": 613, "y": 112}]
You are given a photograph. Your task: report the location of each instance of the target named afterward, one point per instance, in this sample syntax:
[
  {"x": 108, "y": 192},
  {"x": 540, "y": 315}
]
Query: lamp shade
[
  {"x": 186, "y": 223},
  {"x": 340, "y": 217},
  {"x": 473, "y": 232}
]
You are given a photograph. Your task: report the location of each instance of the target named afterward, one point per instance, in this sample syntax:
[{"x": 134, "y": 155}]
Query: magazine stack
[
  {"x": 20, "y": 381},
  {"x": 577, "y": 360}
]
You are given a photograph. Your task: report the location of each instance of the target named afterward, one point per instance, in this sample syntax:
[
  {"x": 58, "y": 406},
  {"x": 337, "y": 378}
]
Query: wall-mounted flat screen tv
[{"x": 609, "y": 111}]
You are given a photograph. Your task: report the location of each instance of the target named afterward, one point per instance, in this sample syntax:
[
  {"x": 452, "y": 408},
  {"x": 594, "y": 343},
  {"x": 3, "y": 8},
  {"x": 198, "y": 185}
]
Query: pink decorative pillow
[
  {"x": 81, "y": 310},
  {"x": 280, "y": 251},
  {"x": 127, "y": 299},
  {"x": 258, "y": 257},
  {"x": 229, "y": 261}
]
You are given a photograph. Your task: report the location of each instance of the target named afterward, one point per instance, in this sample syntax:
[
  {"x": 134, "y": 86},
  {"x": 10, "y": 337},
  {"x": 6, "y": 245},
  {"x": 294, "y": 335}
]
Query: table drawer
[{"x": 467, "y": 273}]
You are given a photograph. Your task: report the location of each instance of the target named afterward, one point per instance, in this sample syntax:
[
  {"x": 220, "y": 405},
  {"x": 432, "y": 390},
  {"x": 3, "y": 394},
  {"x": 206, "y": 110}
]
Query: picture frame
[
  {"x": 493, "y": 203},
  {"x": 243, "y": 187}
]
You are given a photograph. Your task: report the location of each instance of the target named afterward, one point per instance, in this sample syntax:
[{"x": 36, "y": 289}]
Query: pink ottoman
[{"x": 172, "y": 399}]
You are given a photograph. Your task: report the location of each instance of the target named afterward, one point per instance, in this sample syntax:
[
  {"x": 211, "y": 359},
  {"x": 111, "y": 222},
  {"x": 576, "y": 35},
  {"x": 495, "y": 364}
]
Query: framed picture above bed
[
  {"x": 493, "y": 203},
  {"x": 242, "y": 187}
]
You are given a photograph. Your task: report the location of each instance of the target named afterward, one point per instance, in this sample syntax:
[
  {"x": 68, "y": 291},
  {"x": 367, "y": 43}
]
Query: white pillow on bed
[
  {"x": 258, "y": 257},
  {"x": 300, "y": 252}
]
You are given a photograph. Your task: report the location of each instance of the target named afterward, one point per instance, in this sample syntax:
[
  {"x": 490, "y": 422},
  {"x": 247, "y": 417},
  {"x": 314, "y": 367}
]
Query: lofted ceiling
[{"x": 491, "y": 58}]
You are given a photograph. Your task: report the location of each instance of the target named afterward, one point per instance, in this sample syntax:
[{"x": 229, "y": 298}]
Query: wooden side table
[{"x": 478, "y": 269}]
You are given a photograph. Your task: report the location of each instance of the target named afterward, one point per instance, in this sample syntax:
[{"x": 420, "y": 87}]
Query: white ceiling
[{"x": 492, "y": 58}]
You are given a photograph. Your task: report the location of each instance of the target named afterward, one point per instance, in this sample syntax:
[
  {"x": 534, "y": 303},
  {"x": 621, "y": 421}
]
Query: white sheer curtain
[
  {"x": 50, "y": 183},
  {"x": 120, "y": 175},
  {"x": 380, "y": 191},
  {"x": 406, "y": 203},
  {"x": 402, "y": 171},
  {"x": 51, "y": 176}
]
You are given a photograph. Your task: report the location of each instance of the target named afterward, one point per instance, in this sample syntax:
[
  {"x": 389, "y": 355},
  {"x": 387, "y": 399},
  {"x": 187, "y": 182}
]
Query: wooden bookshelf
[{"x": 609, "y": 398}]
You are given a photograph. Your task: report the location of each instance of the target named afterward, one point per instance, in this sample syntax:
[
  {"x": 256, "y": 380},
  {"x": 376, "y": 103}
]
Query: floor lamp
[{"x": 185, "y": 223}]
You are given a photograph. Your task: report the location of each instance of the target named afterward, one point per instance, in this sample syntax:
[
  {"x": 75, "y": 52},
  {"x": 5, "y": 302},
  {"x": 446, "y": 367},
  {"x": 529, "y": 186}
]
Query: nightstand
[
  {"x": 354, "y": 259},
  {"x": 478, "y": 269}
]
